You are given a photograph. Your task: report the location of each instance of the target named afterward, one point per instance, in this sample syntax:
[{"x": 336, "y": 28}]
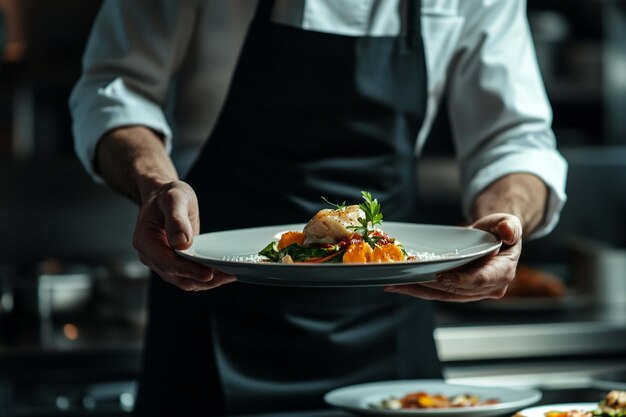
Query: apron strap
[
  {"x": 264, "y": 10},
  {"x": 414, "y": 23}
]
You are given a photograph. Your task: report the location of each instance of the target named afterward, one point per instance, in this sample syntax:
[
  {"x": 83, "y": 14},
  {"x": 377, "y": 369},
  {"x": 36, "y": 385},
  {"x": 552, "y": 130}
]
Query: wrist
[
  {"x": 134, "y": 161},
  {"x": 522, "y": 195}
]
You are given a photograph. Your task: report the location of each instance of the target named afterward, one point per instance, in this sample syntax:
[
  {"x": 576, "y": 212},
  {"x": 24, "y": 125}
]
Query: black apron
[{"x": 308, "y": 114}]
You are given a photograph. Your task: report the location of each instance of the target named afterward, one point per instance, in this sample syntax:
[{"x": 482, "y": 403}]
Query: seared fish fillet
[{"x": 330, "y": 225}]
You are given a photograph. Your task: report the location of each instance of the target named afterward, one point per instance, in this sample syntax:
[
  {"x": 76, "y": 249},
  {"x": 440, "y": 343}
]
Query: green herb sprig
[
  {"x": 373, "y": 217},
  {"x": 339, "y": 206}
]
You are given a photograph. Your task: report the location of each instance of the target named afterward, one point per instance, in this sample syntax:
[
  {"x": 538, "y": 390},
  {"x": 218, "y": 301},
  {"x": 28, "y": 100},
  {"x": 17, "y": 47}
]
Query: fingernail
[
  {"x": 391, "y": 289},
  {"x": 179, "y": 239}
]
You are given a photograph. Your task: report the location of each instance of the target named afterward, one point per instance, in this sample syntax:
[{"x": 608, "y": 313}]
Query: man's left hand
[{"x": 487, "y": 277}]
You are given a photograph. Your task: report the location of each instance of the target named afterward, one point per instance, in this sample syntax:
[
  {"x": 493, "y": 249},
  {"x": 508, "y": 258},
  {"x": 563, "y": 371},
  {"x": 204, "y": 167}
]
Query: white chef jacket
[{"x": 152, "y": 63}]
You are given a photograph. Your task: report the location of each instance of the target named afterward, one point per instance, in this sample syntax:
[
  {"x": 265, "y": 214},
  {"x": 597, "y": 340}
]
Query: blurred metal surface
[
  {"x": 614, "y": 19},
  {"x": 598, "y": 269},
  {"x": 570, "y": 374},
  {"x": 548, "y": 339}
]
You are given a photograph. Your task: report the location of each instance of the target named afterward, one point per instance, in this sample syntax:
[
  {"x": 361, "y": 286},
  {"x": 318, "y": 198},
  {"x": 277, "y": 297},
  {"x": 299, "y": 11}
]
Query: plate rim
[{"x": 238, "y": 257}]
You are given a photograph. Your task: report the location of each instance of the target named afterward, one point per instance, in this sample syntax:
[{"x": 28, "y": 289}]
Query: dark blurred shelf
[{"x": 571, "y": 92}]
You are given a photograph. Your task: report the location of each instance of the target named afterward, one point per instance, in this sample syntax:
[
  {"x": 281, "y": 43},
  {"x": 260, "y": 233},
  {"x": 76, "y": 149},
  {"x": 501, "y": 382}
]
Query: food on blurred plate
[
  {"x": 344, "y": 234},
  {"x": 420, "y": 399},
  {"x": 530, "y": 282},
  {"x": 570, "y": 413},
  {"x": 612, "y": 405}
]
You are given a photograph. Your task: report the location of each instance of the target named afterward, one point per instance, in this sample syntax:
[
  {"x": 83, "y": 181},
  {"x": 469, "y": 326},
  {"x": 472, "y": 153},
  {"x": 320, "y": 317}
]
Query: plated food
[
  {"x": 571, "y": 413},
  {"x": 421, "y": 400},
  {"x": 425, "y": 250},
  {"x": 612, "y": 405},
  {"x": 435, "y": 397},
  {"x": 343, "y": 234}
]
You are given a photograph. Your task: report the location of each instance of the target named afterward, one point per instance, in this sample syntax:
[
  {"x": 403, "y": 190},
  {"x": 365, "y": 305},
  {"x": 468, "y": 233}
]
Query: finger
[
  {"x": 158, "y": 256},
  {"x": 221, "y": 278},
  {"x": 495, "y": 272},
  {"x": 190, "y": 285},
  {"x": 459, "y": 290},
  {"x": 175, "y": 206},
  {"x": 432, "y": 294}
]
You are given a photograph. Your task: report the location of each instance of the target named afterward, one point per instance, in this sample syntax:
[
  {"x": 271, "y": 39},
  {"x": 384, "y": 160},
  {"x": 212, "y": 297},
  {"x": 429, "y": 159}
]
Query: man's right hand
[
  {"x": 168, "y": 219},
  {"x": 133, "y": 160}
]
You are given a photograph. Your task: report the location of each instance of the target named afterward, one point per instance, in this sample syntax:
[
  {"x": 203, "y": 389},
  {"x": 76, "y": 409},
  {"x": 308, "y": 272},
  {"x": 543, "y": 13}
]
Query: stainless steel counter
[
  {"x": 511, "y": 341},
  {"x": 550, "y": 349}
]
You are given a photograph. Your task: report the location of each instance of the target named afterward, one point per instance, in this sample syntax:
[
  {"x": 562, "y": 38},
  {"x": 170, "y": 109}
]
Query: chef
[{"x": 328, "y": 98}]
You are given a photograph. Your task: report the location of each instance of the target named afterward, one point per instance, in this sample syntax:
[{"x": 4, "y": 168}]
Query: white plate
[
  {"x": 542, "y": 409},
  {"x": 358, "y": 398},
  {"x": 234, "y": 252}
]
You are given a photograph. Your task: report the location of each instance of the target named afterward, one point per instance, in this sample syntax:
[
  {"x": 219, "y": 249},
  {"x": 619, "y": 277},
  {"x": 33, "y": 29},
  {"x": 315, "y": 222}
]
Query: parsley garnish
[{"x": 373, "y": 217}]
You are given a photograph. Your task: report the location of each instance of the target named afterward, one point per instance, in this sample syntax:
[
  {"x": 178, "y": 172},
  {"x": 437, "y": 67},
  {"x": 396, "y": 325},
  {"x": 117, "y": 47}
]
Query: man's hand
[
  {"x": 133, "y": 160},
  {"x": 485, "y": 278},
  {"x": 168, "y": 219},
  {"x": 511, "y": 207}
]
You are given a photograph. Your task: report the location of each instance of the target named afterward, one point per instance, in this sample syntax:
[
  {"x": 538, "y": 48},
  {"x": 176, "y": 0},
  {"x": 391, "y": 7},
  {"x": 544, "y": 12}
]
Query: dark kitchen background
[{"x": 72, "y": 293}]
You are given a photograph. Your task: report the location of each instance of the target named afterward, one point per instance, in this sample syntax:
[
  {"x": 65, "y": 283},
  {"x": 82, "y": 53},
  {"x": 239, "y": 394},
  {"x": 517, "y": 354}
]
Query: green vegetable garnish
[
  {"x": 373, "y": 217},
  {"x": 302, "y": 254},
  {"x": 271, "y": 251},
  {"x": 298, "y": 253}
]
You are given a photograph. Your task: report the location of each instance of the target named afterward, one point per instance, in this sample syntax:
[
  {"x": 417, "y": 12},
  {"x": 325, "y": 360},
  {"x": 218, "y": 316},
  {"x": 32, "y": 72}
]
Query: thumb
[
  {"x": 509, "y": 231},
  {"x": 175, "y": 208},
  {"x": 507, "y": 226}
]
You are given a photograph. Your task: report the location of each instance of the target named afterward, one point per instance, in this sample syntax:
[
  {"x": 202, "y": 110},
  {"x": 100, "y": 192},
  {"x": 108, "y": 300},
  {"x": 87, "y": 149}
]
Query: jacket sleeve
[
  {"x": 500, "y": 115},
  {"x": 133, "y": 50}
]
